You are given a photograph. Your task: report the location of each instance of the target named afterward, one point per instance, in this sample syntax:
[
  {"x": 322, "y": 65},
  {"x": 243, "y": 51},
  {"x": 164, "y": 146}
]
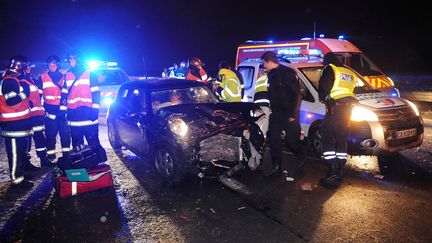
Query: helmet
[
  {"x": 225, "y": 65},
  {"x": 195, "y": 62},
  {"x": 18, "y": 64},
  {"x": 53, "y": 59}
]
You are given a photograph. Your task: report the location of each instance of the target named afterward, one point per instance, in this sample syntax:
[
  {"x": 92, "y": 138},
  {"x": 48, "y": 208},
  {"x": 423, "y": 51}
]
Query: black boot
[
  {"x": 29, "y": 167},
  {"x": 340, "y": 168},
  {"x": 275, "y": 171},
  {"x": 332, "y": 177}
]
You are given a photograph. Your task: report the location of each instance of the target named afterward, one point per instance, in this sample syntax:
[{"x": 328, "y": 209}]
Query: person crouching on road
[
  {"x": 15, "y": 120},
  {"x": 336, "y": 90},
  {"x": 82, "y": 103},
  {"x": 229, "y": 88},
  {"x": 54, "y": 91},
  {"x": 37, "y": 112}
]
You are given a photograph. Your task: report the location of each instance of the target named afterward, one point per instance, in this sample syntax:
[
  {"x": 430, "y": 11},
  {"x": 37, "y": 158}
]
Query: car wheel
[
  {"x": 113, "y": 136},
  {"x": 167, "y": 163},
  {"x": 315, "y": 142}
]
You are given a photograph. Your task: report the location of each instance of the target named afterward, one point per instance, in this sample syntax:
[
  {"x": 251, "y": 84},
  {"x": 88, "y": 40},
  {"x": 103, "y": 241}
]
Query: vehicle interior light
[{"x": 363, "y": 114}]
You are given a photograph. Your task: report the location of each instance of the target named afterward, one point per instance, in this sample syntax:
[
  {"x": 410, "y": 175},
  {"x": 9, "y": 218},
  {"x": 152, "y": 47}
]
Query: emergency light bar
[{"x": 95, "y": 64}]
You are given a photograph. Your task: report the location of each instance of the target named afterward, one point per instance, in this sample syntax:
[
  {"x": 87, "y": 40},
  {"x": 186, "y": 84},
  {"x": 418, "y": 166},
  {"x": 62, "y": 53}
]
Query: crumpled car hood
[{"x": 207, "y": 119}]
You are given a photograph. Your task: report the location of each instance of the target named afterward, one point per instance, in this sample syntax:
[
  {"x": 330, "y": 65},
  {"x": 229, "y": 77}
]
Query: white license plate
[{"x": 406, "y": 133}]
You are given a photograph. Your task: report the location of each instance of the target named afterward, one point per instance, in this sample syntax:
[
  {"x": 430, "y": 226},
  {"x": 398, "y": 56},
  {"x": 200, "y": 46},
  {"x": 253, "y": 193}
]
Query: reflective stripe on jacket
[
  {"x": 20, "y": 111},
  {"x": 80, "y": 94},
  {"x": 261, "y": 91},
  {"x": 231, "y": 87},
  {"x": 36, "y": 108}
]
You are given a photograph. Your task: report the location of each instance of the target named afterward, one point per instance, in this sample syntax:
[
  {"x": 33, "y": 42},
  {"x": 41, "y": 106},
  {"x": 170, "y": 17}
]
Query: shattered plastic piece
[
  {"x": 379, "y": 177},
  {"x": 289, "y": 178},
  {"x": 184, "y": 217},
  {"x": 201, "y": 175},
  {"x": 306, "y": 187},
  {"x": 212, "y": 210},
  {"x": 285, "y": 172},
  {"x": 240, "y": 208}
]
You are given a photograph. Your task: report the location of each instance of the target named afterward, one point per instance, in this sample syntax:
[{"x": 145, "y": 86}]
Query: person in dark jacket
[
  {"x": 52, "y": 85},
  {"x": 285, "y": 98}
]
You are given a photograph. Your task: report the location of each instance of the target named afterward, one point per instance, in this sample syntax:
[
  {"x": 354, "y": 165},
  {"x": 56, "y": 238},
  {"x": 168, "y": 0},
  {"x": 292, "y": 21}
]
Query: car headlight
[
  {"x": 178, "y": 127},
  {"x": 414, "y": 107},
  {"x": 363, "y": 114}
]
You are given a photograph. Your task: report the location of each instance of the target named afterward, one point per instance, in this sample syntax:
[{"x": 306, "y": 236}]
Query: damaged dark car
[{"x": 183, "y": 129}]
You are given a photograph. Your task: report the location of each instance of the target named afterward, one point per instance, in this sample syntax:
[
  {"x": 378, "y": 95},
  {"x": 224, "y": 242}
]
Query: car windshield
[
  {"x": 359, "y": 62},
  {"x": 192, "y": 95},
  {"x": 107, "y": 77},
  {"x": 313, "y": 74}
]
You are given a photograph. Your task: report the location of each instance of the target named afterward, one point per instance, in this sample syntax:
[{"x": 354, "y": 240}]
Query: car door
[
  {"x": 249, "y": 76},
  {"x": 134, "y": 122}
]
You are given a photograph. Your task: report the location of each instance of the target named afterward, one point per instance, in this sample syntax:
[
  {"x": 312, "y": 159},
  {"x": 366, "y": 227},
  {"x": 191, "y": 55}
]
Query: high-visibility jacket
[
  {"x": 344, "y": 83},
  {"x": 52, "y": 92},
  {"x": 261, "y": 91},
  {"x": 36, "y": 108},
  {"x": 202, "y": 76},
  {"x": 230, "y": 87},
  {"x": 20, "y": 111},
  {"x": 80, "y": 94}
]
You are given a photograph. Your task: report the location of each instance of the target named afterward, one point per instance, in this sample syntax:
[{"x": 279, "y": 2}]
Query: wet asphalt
[{"x": 378, "y": 201}]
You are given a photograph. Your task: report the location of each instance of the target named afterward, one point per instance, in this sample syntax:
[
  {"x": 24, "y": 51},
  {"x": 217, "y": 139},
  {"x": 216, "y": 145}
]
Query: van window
[
  {"x": 248, "y": 74},
  {"x": 313, "y": 74}
]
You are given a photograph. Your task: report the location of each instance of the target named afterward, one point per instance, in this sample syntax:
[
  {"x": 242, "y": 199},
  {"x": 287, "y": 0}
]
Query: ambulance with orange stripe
[
  {"x": 109, "y": 77},
  {"x": 352, "y": 56},
  {"x": 380, "y": 124}
]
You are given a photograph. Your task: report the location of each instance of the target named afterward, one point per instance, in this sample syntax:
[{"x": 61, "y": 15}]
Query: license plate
[{"x": 406, "y": 133}]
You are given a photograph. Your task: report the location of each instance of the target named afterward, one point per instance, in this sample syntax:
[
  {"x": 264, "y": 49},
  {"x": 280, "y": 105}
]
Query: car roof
[{"x": 162, "y": 83}]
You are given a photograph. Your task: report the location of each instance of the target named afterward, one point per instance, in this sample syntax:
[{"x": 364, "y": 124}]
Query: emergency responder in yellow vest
[
  {"x": 37, "y": 113},
  {"x": 336, "y": 90},
  {"x": 228, "y": 88},
  {"x": 261, "y": 98},
  {"x": 52, "y": 84},
  {"x": 15, "y": 120},
  {"x": 82, "y": 103}
]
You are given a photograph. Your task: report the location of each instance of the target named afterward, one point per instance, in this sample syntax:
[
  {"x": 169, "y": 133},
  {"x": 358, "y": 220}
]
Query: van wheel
[
  {"x": 113, "y": 136},
  {"x": 315, "y": 141},
  {"x": 168, "y": 164}
]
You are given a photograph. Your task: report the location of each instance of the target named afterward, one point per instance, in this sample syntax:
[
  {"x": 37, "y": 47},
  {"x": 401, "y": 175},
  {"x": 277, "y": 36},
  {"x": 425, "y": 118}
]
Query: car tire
[
  {"x": 315, "y": 141},
  {"x": 167, "y": 163},
  {"x": 113, "y": 136}
]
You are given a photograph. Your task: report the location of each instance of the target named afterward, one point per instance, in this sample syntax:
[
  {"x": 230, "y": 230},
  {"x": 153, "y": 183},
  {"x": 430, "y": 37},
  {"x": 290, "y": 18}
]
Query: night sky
[{"x": 396, "y": 37}]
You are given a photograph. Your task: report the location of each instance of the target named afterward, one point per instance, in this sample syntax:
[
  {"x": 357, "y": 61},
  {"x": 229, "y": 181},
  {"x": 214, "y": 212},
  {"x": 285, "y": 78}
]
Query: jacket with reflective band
[
  {"x": 80, "y": 94},
  {"x": 202, "y": 76},
  {"x": 230, "y": 87},
  {"x": 51, "y": 91},
  {"x": 36, "y": 108},
  {"x": 261, "y": 91},
  {"x": 20, "y": 111},
  {"x": 344, "y": 82}
]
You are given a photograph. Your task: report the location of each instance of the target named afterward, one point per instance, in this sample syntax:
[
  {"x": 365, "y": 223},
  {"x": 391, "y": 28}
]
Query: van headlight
[
  {"x": 363, "y": 114},
  {"x": 414, "y": 107},
  {"x": 178, "y": 127}
]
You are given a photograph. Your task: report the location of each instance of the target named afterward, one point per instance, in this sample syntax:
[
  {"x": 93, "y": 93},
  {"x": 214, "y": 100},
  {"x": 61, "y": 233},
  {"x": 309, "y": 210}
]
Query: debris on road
[
  {"x": 306, "y": 187},
  {"x": 240, "y": 208},
  {"x": 379, "y": 176},
  {"x": 184, "y": 217},
  {"x": 288, "y": 178},
  {"x": 212, "y": 210}
]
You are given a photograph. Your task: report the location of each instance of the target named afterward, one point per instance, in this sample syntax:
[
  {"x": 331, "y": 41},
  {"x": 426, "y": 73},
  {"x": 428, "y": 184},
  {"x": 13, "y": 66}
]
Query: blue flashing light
[
  {"x": 315, "y": 52},
  {"x": 341, "y": 37},
  {"x": 321, "y": 36},
  {"x": 107, "y": 101},
  {"x": 111, "y": 64},
  {"x": 290, "y": 51},
  {"x": 394, "y": 93},
  {"x": 270, "y": 41},
  {"x": 93, "y": 64},
  {"x": 306, "y": 38}
]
